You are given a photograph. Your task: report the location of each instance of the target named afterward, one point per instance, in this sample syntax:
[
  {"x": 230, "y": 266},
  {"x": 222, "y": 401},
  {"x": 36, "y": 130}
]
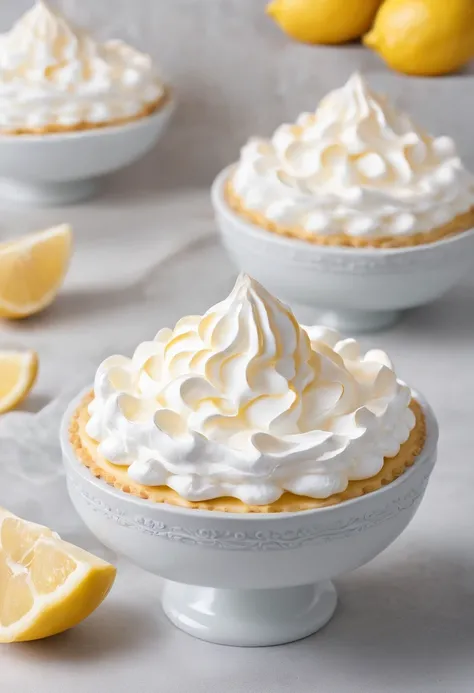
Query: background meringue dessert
[
  {"x": 56, "y": 78},
  {"x": 355, "y": 173},
  {"x": 244, "y": 410}
]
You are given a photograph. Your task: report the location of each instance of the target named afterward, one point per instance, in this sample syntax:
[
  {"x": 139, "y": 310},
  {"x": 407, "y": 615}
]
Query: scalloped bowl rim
[
  {"x": 426, "y": 454},
  {"x": 220, "y": 204}
]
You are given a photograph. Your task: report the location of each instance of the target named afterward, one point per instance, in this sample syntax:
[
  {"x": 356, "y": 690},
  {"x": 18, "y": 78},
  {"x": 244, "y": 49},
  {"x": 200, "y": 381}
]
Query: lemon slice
[
  {"x": 32, "y": 269},
  {"x": 18, "y": 371},
  {"x": 46, "y": 584}
]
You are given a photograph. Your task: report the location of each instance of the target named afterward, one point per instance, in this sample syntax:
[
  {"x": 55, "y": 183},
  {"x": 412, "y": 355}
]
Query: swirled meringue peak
[
  {"x": 245, "y": 402},
  {"x": 54, "y": 75},
  {"x": 356, "y": 167}
]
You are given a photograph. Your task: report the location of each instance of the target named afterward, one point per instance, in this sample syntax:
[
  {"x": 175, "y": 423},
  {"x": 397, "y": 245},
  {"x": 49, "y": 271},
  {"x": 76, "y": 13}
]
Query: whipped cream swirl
[
  {"x": 357, "y": 167},
  {"x": 245, "y": 402},
  {"x": 54, "y": 75}
]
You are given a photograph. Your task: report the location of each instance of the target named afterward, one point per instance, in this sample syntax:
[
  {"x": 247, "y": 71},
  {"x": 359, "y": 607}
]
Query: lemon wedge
[
  {"x": 32, "y": 269},
  {"x": 18, "y": 371},
  {"x": 46, "y": 584},
  {"x": 323, "y": 21}
]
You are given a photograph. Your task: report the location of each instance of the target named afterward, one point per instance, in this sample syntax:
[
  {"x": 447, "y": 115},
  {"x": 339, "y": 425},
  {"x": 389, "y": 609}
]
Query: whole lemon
[
  {"x": 324, "y": 21},
  {"x": 424, "y": 37}
]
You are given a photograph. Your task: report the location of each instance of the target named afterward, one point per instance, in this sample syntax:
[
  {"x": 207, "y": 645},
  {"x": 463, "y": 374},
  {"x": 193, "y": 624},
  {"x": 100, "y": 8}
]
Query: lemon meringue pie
[
  {"x": 242, "y": 409},
  {"x": 56, "y": 78},
  {"x": 355, "y": 173}
]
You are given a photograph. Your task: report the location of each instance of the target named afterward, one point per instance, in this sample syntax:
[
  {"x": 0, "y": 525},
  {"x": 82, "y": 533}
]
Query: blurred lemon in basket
[
  {"x": 32, "y": 269},
  {"x": 324, "y": 21},
  {"x": 424, "y": 37}
]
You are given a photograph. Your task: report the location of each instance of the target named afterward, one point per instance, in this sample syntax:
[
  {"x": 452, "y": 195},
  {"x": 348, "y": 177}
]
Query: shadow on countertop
[
  {"x": 452, "y": 315},
  {"x": 415, "y": 614},
  {"x": 115, "y": 629}
]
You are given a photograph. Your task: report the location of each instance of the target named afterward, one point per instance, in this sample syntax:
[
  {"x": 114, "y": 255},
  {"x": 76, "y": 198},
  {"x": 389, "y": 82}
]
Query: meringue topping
[
  {"x": 53, "y": 74},
  {"x": 245, "y": 402},
  {"x": 356, "y": 166}
]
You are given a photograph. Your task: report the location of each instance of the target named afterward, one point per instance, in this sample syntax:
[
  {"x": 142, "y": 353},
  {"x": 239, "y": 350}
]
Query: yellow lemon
[
  {"x": 424, "y": 37},
  {"x": 32, "y": 269},
  {"x": 46, "y": 584},
  {"x": 324, "y": 21},
  {"x": 18, "y": 371}
]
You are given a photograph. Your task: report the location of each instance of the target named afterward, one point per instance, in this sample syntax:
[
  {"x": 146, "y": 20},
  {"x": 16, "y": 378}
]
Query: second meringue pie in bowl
[
  {"x": 239, "y": 436},
  {"x": 72, "y": 108},
  {"x": 347, "y": 196}
]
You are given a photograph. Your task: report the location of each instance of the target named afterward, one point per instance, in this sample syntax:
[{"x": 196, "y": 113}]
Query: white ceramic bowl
[
  {"x": 351, "y": 289},
  {"x": 61, "y": 168},
  {"x": 248, "y": 579}
]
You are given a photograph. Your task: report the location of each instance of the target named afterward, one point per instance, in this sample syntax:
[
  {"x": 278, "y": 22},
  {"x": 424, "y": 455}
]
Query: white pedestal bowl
[
  {"x": 351, "y": 289},
  {"x": 248, "y": 580},
  {"x": 61, "y": 168}
]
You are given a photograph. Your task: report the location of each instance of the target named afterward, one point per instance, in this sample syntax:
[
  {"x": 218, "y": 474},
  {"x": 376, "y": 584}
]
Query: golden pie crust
[
  {"x": 86, "y": 451},
  {"x": 147, "y": 110},
  {"x": 463, "y": 222}
]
